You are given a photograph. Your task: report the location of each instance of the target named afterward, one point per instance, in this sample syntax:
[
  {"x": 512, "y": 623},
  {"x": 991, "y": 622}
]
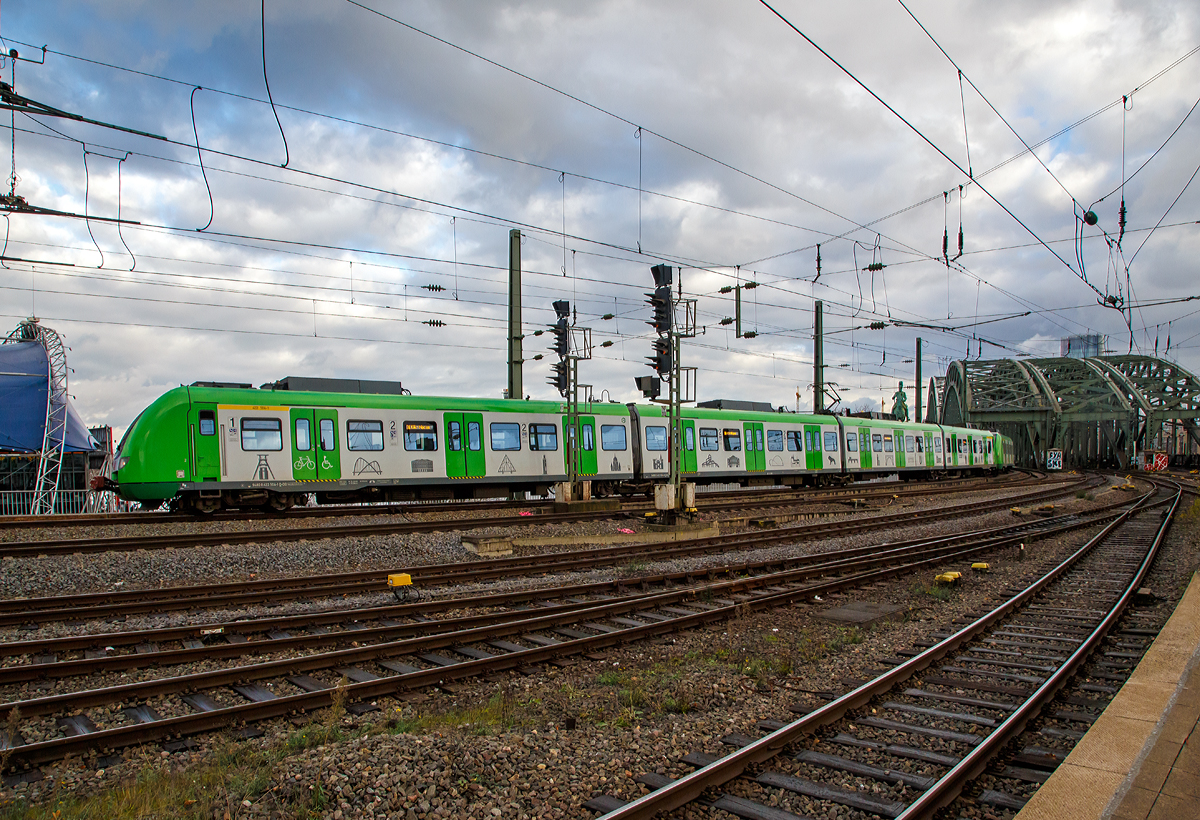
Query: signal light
[
  {"x": 649, "y": 385},
  {"x": 664, "y": 314},
  {"x": 562, "y": 338},
  {"x": 663, "y": 358},
  {"x": 561, "y": 380},
  {"x": 662, "y": 275}
]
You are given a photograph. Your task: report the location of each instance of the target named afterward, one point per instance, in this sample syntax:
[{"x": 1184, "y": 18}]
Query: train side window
[
  {"x": 709, "y": 440},
  {"x": 877, "y": 443},
  {"x": 851, "y": 443},
  {"x": 328, "y": 436},
  {"x": 474, "y": 439},
  {"x": 208, "y": 423},
  {"x": 656, "y": 438},
  {"x": 544, "y": 437},
  {"x": 794, "y": 441},
  {"x": 888, "y": 445},
  {"x": 506, "y": 435},
  {"x": 810, "y": 441},
  {"x": 920, "y": 444},
  {"x": 775, "y": 440},
  {"x": 733, "y": 440},
  {"x": 303, "y": 434},
  {"x": 612, "y": 437},
  {"x": 831, "y": 442},
  {"x": 365, "y": 435},
  {"x": 455, "y": 431},
  {"x": 909, "y": 443},
  {"x": 989, "y": 447},
  {"x": 589, "y": 439},
  {"x": 419, "y": 435},
  {"x": 689, "y": 439},
  {"x": 262, "y": 434}
]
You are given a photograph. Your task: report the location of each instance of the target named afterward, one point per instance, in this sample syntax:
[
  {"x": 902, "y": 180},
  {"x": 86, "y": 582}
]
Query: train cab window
[
  {"x": 365, "y": 435},
  {"x": 775, "y": 440},
  {"x": 544, "y": 437},
  {"x": 262, "y": 434},
  {"x": 328, "y": 436},
  {"x": 689, "y": 439},
  {"x": 910, "y": 444},
  {"x": 709, "y": 440},
  {"x": 937, "y": 444},
  {"x": 454, "y": 435},
  {"x": 851, "y": 443},
  {"x": 589, "y": 438},
  {"x": 303, "y": 434},
  {"x": 888, "y": 444},
  {"x": 208, "y": 423},
  {"x": 656, "y": 438},
  {"x": 612, "y": 437},
  {"x": 474, "y": 437},
  {"x": 733, "y": 440},
  {"x": 420, "y": 436},
  {"x": 506, "y": 435},
  {"x": 794, "y": 441},
  {"x": 831, "y": 442},
  {"x": 877, "y": 443}
]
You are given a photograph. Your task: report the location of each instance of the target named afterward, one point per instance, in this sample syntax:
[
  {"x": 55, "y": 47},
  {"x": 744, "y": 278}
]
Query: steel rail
[
  {"x": 44, "y": 751},
  {"x": 688, "y": 788},
  {"x": 130, "y": 543},
  {"x": 76, "y": 607},
  {"x": 821, "y": 564}
]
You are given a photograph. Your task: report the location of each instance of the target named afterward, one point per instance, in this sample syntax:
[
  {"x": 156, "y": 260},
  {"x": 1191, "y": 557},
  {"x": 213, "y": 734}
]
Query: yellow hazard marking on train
[{"x": 259, "y": 407}]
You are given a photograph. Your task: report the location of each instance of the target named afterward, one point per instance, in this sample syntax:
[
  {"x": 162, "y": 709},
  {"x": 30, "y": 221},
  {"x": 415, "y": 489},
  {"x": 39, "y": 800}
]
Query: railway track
[
  {"x": 767, "y": 495},
  {"x": 909, "y": 752},
  {"x": 112, "y": 604},
  {"x": 432, "y": 654}
]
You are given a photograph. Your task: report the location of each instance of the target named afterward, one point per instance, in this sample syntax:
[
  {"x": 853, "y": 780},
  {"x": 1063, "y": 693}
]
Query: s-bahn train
[{"x": 204, "y": 448}]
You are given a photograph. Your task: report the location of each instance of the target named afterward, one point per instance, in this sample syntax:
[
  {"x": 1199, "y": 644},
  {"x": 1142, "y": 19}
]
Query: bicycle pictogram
[{"x": 304, "y": 462}]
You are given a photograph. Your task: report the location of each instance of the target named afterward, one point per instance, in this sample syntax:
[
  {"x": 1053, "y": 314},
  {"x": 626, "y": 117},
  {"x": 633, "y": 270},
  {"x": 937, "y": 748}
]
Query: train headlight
[{"x": 121, "y": 464}]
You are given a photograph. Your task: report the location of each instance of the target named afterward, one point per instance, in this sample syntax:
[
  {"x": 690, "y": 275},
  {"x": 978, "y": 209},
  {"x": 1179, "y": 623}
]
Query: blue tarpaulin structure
[{"x": 24, "y": 383}]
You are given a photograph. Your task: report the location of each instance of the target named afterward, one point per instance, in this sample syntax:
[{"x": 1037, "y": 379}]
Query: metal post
[
  {"x": 573, "y": 421},
  {"x": 676, "y": 431},
  {"x": 818, "y": 358},
  {"x": 918, "y": 418},
  {"x": 516, "y": 387}
]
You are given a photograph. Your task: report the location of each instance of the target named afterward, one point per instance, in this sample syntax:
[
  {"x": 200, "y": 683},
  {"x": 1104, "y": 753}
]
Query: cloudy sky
[{"x": 615, "y": 135}]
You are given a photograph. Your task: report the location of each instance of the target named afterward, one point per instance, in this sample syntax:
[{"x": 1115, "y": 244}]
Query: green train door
[
  {"x": 587, "y": 445},
  {"x": 689, "y": 445},
  {"x": 953, "y": 454},
  {"x": 304, "y": 445},
  {"x": 756, "y": 459},
  {"x": 929, "y": 461},
  {"x": 206, "y": 444},
  {"x": 901, "y": 458},
  {"x": 812, "y": 447},
  {"x": 328, "y": 457},
  {"x": 464, "y": 444},
  {"x": 864, "y": 447}
]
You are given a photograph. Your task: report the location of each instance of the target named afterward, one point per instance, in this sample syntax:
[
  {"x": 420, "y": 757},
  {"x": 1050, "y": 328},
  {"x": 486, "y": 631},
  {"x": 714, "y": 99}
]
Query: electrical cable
[
  {"x": 211, "y": 207},
  {"x": 287, "y": 157}
]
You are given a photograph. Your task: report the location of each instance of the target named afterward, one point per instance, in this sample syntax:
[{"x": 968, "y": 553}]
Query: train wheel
[
  {"x": 206, "y": 505},
  {"x": 279, "y": 502}
]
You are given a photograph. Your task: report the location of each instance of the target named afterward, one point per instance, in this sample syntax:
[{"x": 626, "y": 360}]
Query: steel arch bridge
[{"x": 1101, "y": 412}]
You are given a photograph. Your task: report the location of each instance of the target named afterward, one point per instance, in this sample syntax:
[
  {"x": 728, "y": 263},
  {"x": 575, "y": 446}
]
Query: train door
[
  {"x": 464, "y": 444},
  {"x": 952, "y": 456},
  {"x": 901, "y": 460},
  {"x": 587, "y": 445},
  {"x": 304, "y": 445},
  {"x": 689, "y": 445},
  {"x": 812, "y": 446},
  {"x": 204, "y": 441},
  {"x": 328, "y": 457},
  {"x": 756, "y": 460},
  {"x": 864, "y": 447},
  {"x": 929, "y": 462}
]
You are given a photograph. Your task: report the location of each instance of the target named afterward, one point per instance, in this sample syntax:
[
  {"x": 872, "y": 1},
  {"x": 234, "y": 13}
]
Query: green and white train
[{"x": 208, "y": 447}]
